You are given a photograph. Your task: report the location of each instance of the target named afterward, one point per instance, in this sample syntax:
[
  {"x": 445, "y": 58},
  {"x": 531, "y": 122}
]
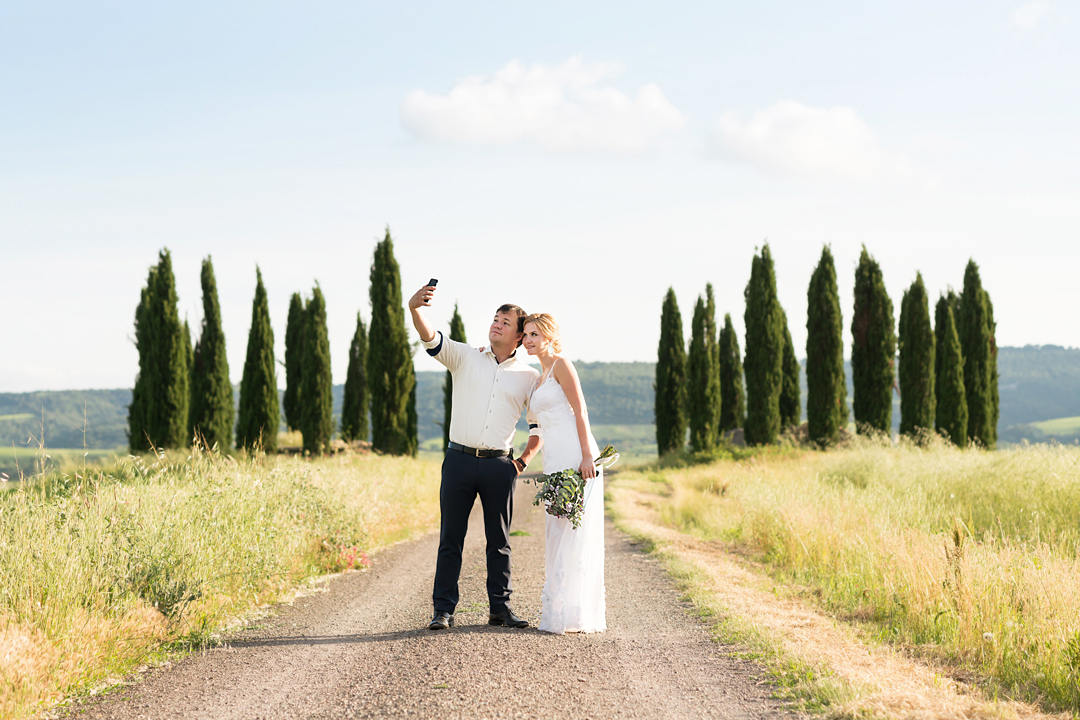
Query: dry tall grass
[
  {"x": 98, "y": 570},
  {"x": 969, "y": 556}
]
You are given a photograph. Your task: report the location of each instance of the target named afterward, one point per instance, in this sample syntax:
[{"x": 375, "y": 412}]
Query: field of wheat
[
  {"x": 965, "y": 556},
  {"x": 104, "y": 569}
]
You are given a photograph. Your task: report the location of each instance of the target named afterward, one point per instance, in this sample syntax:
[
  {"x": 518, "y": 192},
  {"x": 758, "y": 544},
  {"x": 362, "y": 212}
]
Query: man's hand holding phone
[{"x": 422, "y": 297}]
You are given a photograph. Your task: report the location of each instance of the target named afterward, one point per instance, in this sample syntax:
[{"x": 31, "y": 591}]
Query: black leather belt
[{"x": 476, "y": 452}]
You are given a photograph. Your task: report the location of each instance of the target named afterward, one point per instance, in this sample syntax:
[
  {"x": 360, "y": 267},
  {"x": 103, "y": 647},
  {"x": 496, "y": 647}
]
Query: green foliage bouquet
[{"x": 563, "y": 492}]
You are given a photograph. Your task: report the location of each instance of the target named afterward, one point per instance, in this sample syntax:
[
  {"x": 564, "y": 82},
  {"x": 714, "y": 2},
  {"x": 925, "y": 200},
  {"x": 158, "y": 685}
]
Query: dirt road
[{"x": 358, "y": 649}]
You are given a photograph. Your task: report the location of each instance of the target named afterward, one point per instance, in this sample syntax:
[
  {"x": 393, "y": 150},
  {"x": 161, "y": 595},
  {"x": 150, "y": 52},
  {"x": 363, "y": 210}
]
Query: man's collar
[{"x": 489, "y": 351}]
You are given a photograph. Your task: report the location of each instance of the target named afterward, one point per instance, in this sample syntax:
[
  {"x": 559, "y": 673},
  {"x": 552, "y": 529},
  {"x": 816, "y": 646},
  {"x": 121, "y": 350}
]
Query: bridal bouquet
[{"x": 563, "y": 492}]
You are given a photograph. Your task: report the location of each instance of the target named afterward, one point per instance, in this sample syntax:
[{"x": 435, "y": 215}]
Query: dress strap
[{"x": 546, "y": 375}]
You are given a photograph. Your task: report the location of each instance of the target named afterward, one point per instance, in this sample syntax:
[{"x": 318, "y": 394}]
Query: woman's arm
[{"x": 567, "y": 377}]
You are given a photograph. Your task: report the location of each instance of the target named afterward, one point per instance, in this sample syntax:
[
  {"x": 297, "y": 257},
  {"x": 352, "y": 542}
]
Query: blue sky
[{"x": 574, "y": 158}]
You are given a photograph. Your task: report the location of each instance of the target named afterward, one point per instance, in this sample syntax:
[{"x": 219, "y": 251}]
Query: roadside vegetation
[
  {"x": 966, "y": 558},
  {"x": 104, "y": 569}
]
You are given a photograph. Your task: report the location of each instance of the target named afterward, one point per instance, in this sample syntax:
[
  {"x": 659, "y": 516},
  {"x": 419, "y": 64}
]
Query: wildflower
[{"x": 988, "y": 637}]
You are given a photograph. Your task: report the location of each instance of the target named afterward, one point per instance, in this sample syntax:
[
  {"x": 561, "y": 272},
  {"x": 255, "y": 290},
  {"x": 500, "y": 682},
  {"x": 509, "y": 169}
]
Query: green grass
[
  {"x": 1059, "y": 426},
  {"x": 101, "y": 570},
  {"x": 967, "y": 556},
  {"x": 31, "y": 461}
]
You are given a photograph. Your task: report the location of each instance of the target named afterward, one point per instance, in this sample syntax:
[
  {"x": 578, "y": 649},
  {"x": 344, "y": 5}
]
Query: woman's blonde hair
[{"x": 548, "y": 328}]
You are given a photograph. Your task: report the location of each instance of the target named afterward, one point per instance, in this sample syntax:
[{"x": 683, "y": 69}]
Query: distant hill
[{"x": 1037, "y": 383}]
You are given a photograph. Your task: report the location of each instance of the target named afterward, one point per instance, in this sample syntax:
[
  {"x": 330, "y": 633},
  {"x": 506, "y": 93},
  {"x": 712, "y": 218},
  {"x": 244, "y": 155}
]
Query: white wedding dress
[{"x": 573, "y": 596}]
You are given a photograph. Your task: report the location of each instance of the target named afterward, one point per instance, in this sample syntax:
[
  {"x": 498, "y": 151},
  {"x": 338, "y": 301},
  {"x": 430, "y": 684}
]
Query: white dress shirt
[{"x": 488, "y": 396}]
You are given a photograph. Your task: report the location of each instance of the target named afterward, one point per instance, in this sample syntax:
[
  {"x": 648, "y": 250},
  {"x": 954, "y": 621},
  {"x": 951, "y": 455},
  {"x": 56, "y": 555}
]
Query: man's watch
[{"x": 521, "y": 467}]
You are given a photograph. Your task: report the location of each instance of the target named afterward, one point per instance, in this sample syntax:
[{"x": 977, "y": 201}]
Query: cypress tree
[
  {"x": 457, "y": 332},
  {"x": 873, "y": 348},
  {"x": 354, "y": 408},
  {"x": 703, "y": 396},
  {"x": 294, "y": 353},
  {"x": 158, "y": 415},
  {"x": 316, "y": 413},
  {"x": 713, "y": 341},
  {"x": 670, "y": 385},
  {"x": 732, "y": 395},
  {"x": 412, "y": 441},
  {"x": 142, "y": 394},
  {"x": 826, "y": 392},
  {"x": 951, "y": 415},
  {"x": 189, "y": 359},
  {"x": 976, "y": 341},
  {"x": 917, "y": 398},
  {"x": 189, "y": 365},
  {"x": 790, "y": 402},
  {"x": 995, "y": 398},
  {"x": 259, "y": 416},
  {"x": 391, "y": 379},
  {"x": 212, "y": 411},
  {"x": 764, "y": 352}
]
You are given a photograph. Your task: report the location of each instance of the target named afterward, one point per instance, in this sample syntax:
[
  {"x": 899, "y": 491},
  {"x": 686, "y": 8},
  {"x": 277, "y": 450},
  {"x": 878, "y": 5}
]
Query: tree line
[
  {"x": 946, "y": 376},
  {"x": 183, "y": 395}
]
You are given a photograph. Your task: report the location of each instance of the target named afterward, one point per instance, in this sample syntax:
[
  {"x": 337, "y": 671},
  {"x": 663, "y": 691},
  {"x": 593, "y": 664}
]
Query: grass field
[
  {"x": 109, "y": 568},
  {"x": 30, "y": 461},
  {"x": 968, "y": 557},
  {"x": 1059, "y": 426}
]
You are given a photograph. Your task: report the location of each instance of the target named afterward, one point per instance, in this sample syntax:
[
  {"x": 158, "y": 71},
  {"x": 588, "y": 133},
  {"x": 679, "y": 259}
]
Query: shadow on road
[{"x": 373, "y": 638}]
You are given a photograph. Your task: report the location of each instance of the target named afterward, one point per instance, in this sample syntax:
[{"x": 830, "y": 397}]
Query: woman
[{"x": 573, "y": 597}]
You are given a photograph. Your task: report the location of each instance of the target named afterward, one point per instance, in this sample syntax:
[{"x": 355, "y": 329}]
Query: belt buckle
[{"x": 477, "y": 451}]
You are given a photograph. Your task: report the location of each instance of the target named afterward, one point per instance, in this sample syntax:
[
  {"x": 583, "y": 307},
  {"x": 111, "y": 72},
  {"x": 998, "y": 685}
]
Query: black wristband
[{"x": 523, "y": 465}]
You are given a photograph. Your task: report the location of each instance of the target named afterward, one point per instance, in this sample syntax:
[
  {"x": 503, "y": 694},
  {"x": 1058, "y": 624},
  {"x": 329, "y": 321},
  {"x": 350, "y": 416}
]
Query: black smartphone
[{"x": 433, "y": 282}]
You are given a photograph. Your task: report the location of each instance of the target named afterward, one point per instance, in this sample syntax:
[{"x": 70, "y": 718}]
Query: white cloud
[
  {"x": 1030, "y": 14},
  {"x": 790, "y": 138},
  {"x": 569, "y": 107}
]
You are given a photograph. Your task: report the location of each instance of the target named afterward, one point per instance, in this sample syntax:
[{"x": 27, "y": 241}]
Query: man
[{"x": 491, "y": 385}]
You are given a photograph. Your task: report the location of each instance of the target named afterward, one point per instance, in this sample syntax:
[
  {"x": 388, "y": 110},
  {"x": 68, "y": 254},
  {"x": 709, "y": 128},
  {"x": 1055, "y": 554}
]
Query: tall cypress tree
[
  {"x": 764, "y": 352},
  {"x": 873, "y": 348},
  {"x": 951, "y": 413},
  {"x": 703, "y": 396},
  {"x": 917, "y": 345},
  {"x": 790, "y": 402},
  {"x": 457, "y": 332},
  {"x": 259, "y": 416},
  {"x": 212, "y": 412},
  {"x": 732, "y": 395},
  {"x": 712, "y": 340},
  {"x": 391, "y": 379},
  {"x": 142, "y": 394},
  {"x": 158, "y": 415},
  {"x": 826, "y": 392},
  {"x": 671, "y": 375},
  {"x": 354, "y": 408},
  {"x": 995, "y": 398},
  {"x": 294, "y": 353},
  {"x": 412, "y": 441},
  {"x": 189, "y": 366},
  {"x": 189, "y": 362},
  {"x": 977, "y": 341},
  {"x": 316, "y": 413}
]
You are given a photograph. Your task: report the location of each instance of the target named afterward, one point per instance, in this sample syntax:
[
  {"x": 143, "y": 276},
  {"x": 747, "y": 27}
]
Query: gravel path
[{"x": 359, "y": 650}]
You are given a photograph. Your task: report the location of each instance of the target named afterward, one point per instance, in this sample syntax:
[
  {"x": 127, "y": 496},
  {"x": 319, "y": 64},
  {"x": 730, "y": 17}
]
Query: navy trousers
[{"x": 463, "y": 478}]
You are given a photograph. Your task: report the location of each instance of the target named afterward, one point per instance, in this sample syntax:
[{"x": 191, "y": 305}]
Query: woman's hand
[{"x": 587, "y": 469}]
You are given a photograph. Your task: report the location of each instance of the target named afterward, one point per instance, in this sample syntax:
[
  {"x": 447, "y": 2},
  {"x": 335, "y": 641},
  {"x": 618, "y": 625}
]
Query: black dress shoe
[
  {"x": 441, "y": 621},
  {"x": 506, "y": 617}
]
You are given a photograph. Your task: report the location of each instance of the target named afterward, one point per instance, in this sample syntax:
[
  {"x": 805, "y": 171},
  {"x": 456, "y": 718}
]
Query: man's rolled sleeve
[
  {"x": 534, "y": 427},
  {"x": 445, "y": 350}
]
